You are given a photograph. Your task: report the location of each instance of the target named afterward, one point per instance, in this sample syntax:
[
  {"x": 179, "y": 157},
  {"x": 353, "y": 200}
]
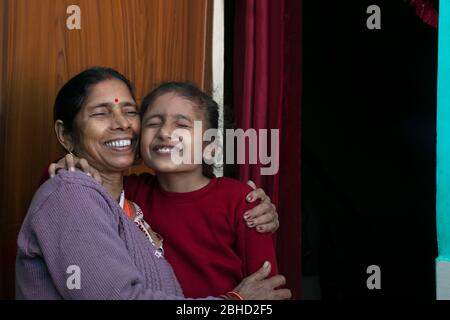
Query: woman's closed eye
[
  {"x": 99, "y": 112},
  {"x": 131, "y": 111}
]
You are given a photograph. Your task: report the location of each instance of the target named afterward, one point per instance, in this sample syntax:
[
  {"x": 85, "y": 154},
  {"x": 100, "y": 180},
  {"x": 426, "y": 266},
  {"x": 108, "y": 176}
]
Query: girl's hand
[
  {"x": 70, "y": 162},
  {"x": 257, "y": 287},
  {"x": 264, "y": 216}
]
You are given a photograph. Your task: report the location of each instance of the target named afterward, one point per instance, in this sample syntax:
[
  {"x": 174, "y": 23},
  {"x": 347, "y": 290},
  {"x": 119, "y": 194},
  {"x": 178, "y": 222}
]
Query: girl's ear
[
  {"x": 64, "y": 139},
  {"x": 212, "y": 153}
]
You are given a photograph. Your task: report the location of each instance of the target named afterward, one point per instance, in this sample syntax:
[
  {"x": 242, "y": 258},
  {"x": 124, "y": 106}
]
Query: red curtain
[
  {"x": 427, "y": 11},
  {"x": 267, "y": 91}
]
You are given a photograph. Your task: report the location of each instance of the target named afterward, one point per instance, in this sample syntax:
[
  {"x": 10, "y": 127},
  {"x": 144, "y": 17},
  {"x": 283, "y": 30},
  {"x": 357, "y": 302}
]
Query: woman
[{"x": 79, "y": 239}]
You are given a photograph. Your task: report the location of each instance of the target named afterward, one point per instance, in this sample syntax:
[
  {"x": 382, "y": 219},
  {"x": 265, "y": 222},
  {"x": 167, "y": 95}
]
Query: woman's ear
[{"x": 63, "y": 138}]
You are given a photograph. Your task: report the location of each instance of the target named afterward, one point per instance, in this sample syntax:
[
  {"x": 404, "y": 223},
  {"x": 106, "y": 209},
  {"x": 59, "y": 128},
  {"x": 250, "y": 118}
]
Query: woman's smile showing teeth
[{"x": 122, "y": 144}]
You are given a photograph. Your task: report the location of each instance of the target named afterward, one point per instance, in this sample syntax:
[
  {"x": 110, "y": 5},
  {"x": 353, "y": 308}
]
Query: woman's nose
[{"x": 121, "y": 122}]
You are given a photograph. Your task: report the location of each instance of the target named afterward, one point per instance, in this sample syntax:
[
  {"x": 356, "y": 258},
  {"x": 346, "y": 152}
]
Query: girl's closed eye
[
  {"x": 183, "y": 124},
  {"x": 183, "y": 121},
  {"x": 153, "y": 123}
]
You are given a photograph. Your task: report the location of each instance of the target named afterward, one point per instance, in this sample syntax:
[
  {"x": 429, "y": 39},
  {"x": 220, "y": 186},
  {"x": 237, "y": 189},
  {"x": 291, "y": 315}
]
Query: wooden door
[{"x": 147, "y": 40}]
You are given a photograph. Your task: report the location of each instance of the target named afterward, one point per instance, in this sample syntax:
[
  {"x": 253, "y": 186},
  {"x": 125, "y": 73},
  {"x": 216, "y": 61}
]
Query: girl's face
[
  {"x": 160, "y": 143},
  {"x": 108, "y": 127}
]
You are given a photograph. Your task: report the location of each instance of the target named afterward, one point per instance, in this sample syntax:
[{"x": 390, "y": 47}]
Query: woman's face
[
  {"x": 160, "y": 145},
  {"x": 108, "y": 127}
]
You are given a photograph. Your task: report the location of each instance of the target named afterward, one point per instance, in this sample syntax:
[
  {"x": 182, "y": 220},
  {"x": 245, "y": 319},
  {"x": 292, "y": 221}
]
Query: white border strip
[{"x": 218, "y": 62}]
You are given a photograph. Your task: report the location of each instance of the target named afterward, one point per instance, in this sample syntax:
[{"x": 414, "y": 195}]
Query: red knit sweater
[{"x": 206, "y": 239}]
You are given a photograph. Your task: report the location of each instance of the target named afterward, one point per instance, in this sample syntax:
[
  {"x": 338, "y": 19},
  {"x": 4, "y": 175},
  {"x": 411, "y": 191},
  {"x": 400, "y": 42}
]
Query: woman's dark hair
[
  {"x": 192, "y": 93},
  {"x": 74, "y": 93}
]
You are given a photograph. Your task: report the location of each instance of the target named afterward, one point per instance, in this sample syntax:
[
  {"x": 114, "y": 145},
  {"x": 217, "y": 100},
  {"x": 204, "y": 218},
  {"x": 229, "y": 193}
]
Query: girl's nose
[{"x": 166, "y": 132}]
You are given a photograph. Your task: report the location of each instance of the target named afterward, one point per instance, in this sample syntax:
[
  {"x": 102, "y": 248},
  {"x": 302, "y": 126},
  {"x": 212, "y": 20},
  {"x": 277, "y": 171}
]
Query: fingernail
[
  {"x": 72, "y": 169},
  {"x": 251, "y": 223},
  {"x": 52, "y": 176},
  {"x": 246, "y": 216},
  {"x": 90, "y": 175},
  {"x": 266, "y": 265},
  {"x": 250, "y": 198},
  {"x": 259, "y": 229}
]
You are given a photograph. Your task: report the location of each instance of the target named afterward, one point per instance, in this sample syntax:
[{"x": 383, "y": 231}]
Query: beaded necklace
[{"x": 134, "y": 212}]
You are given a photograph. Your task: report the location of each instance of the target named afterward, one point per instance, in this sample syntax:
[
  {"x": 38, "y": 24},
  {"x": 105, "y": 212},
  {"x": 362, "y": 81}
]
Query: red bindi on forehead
[{"x": 116, "y": 100}]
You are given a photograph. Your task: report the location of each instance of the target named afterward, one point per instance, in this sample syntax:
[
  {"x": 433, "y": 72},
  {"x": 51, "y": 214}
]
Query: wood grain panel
[{"x": 148, "y": 40}]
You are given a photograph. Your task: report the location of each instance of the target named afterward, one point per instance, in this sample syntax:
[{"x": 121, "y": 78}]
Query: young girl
[{"x": 214, "y": 249}]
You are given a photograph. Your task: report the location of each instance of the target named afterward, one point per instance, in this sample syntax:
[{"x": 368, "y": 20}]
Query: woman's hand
[
  {"x": 264, "y": 216},
  {"x": 70, "y": 162},
  {"x": 257, "y": 287}
]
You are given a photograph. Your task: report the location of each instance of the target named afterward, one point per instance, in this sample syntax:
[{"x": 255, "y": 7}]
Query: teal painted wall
[{"x": 443, "y": 133}]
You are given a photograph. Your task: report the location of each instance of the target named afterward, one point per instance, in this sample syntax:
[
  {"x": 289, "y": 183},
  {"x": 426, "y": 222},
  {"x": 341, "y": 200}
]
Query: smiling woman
[{"x": 104, "y": 132}]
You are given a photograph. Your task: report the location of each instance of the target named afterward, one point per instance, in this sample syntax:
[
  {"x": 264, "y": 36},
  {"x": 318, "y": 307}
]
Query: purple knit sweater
[{"x": 73, "y": 221}]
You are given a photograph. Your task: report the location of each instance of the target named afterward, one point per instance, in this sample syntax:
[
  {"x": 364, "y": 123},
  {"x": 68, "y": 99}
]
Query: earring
[
  {"x": 69, "y": 150},
  {"x": 209, "y": 155}
]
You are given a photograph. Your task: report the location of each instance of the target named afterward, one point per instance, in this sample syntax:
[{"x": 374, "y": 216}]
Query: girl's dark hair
[
  {"x": 191, "y": 92},
  {"x": 74, "y": 93}
]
